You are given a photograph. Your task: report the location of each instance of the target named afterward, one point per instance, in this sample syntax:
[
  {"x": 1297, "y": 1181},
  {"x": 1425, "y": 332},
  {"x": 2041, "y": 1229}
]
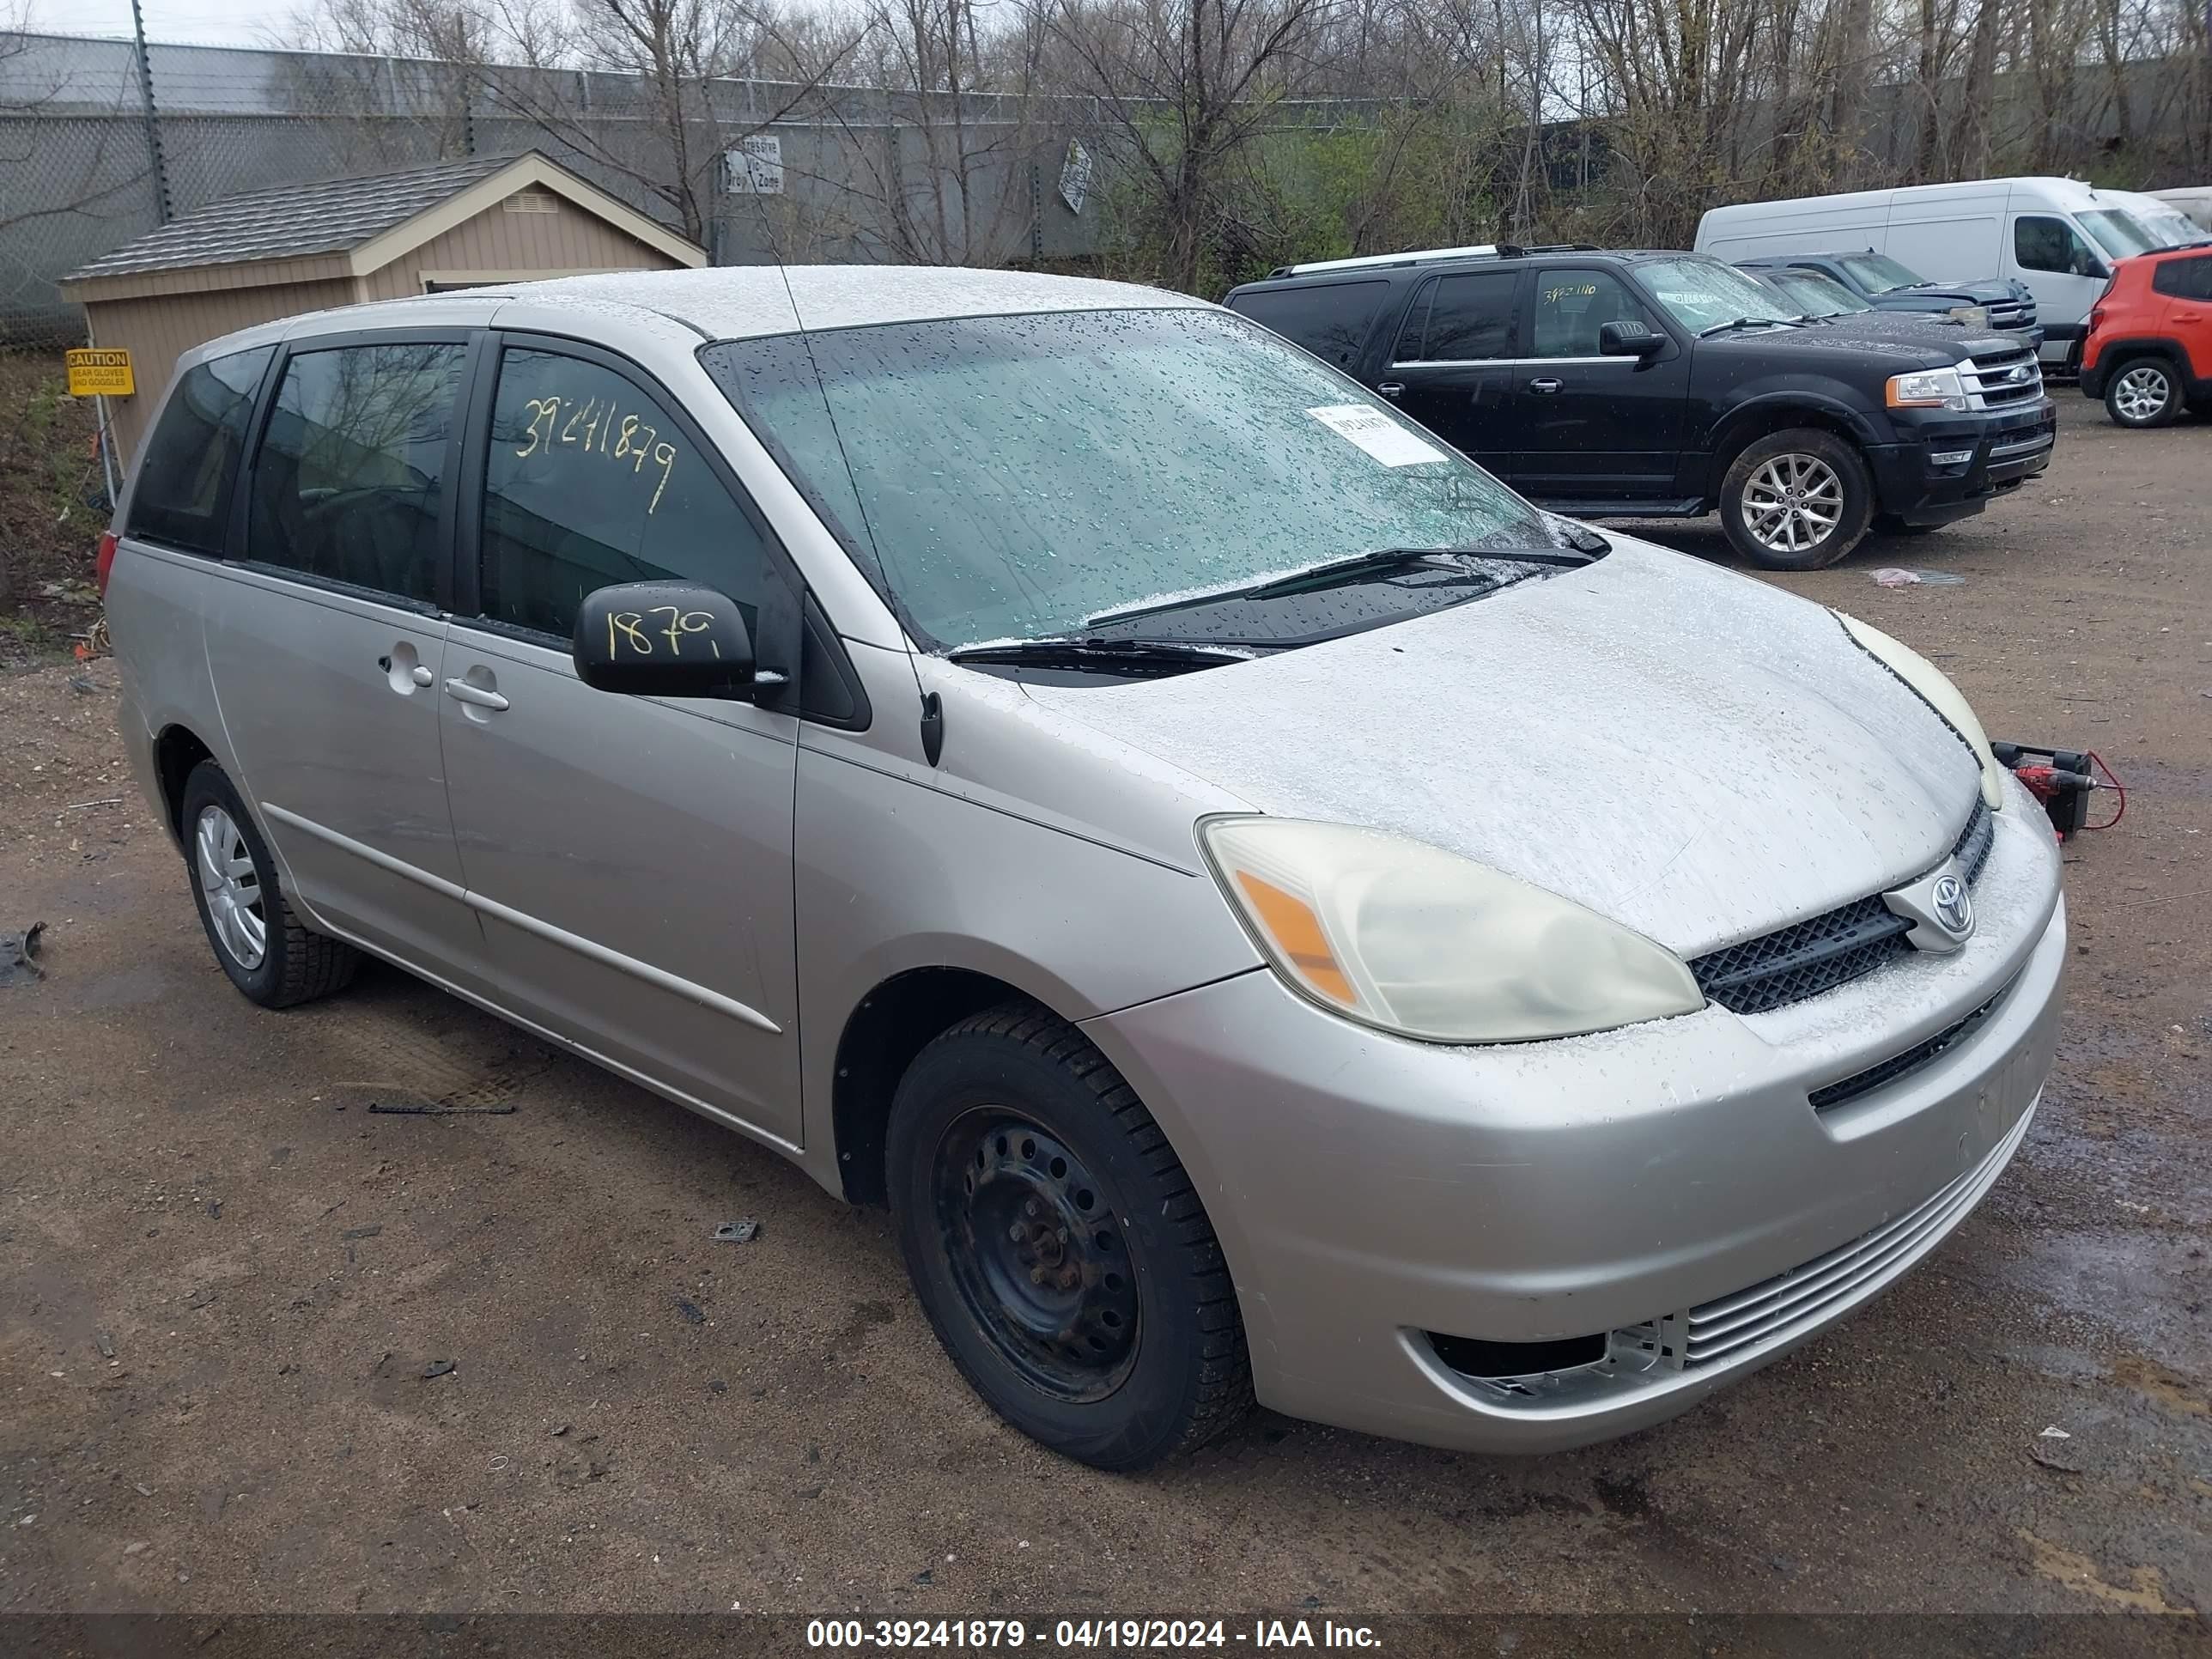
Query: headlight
[
  {"x": 1937, "y": 690},
  {"x": 1404, "y": 936},
  {"x": 1926, "y": 388},
  {"x": 1971, "y": 316}
]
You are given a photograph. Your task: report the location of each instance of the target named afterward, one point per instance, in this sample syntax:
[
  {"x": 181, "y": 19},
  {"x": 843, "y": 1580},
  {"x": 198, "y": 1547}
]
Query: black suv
[
  {"x": 1888, "y": 285},
  {"x": 1615, "y": 385}
]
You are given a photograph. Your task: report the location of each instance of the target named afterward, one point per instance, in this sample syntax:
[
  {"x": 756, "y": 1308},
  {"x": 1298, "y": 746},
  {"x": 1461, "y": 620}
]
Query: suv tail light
[{"x": 103, "y": 563}]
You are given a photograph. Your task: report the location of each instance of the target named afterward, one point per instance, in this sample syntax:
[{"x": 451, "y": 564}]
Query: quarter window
[
  {"x": 2183, "y": 279},
  {"x": 1330, "y": 319},
  {"x": 1572, "y": 304},
  {"x": 351, "y": 479},
  {"x": 1466, "y": 319},
  {"x": 2042, "y": 244},
  {"x": 590, "y": 482},
  {"x": 191, "y": 464}
]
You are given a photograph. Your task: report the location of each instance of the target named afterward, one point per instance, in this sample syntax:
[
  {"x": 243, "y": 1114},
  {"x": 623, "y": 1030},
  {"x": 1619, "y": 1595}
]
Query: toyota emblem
[{"x": 1954, "y": 910}]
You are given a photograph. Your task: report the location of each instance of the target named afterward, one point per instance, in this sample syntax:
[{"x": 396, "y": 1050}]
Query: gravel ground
[{"x": 224, "y": 1285}]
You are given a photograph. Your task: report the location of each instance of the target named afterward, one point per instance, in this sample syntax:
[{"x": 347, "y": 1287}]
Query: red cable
[{"x": 2117, "y": 787}]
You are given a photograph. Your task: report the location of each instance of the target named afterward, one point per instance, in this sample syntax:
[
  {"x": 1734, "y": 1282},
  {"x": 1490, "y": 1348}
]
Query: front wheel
[
  {"x": 2145, "y": 392},
  {"x": 1796, "y": 499},
  {"x": 1057, "y": 1246}
]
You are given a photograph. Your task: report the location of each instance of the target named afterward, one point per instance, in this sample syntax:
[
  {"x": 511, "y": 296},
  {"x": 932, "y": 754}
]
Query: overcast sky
[{"x": 210, "y": 22}]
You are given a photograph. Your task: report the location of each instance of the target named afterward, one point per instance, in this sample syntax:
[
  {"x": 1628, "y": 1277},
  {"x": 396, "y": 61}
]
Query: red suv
[{"x": 2148, "y": 349}]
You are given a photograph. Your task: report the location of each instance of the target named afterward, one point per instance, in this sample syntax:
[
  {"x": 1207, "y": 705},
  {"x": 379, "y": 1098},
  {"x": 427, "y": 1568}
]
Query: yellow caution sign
[{"x": 99, "y": 374}]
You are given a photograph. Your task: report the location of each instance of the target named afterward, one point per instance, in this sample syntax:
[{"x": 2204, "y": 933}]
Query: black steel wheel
[
  {"x": 1034, "y": 1244},
  {"x": 1057, "y": 1246}
]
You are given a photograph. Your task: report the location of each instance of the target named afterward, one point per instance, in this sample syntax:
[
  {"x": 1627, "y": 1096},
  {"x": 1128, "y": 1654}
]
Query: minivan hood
[{"x": 1689, "y": 752}]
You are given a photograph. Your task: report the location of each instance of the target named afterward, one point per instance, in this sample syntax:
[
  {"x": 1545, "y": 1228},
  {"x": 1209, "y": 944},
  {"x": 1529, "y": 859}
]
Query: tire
[
  {"x": 1117, "y": 1345},
  {"x": 2143, "y": 392},
  {"x": 1807, "y": 533},
  {"x": 268, "y": 953}
]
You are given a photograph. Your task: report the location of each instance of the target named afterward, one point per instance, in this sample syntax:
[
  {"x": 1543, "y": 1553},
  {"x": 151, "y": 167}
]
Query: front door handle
[
  {"x": 462, "y": 691},
  {"x": 1545, "y": 383},
  {"x": 1391, "y": 389}
]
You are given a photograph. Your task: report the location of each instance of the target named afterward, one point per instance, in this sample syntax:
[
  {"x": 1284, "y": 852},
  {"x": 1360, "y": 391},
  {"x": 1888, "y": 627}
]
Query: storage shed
[{"x": 295, "y": 248}]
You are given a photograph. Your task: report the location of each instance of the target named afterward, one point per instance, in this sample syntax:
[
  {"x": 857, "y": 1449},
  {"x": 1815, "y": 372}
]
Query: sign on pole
[
  {"x": 1075, "y": 176},
  {"x": 755, "y": 166},
  {"x": 99, "y": 374}
]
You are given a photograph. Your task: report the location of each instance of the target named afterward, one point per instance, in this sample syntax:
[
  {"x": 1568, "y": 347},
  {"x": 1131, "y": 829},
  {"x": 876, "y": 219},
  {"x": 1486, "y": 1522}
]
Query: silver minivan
[{"x": 1273, "y": 914}]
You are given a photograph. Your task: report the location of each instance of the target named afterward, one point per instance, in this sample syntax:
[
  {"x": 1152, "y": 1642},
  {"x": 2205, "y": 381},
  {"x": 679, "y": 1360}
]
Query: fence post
[{"x": 153, "y": 126}]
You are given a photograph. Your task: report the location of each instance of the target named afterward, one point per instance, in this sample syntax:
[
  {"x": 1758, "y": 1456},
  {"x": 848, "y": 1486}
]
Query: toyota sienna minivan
[{"x": 1273, "y": 914}]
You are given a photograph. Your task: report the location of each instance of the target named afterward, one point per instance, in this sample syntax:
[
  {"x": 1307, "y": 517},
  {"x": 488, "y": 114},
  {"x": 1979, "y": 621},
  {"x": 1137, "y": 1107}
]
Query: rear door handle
[
  {"x": 462, "y": 691},
  {"x": 1545, "y": 383},
  {"x": 1391, "y": 389}
]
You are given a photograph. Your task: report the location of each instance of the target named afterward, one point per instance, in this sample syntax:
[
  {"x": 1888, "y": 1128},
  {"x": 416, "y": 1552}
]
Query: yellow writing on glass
[
  {"x": 592, "y": 428},
  {"x": 626, "y": 630}
]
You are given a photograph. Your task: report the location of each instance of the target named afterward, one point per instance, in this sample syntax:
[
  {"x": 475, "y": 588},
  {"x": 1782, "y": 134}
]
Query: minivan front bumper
[{"x": 1666, "y": 1193}]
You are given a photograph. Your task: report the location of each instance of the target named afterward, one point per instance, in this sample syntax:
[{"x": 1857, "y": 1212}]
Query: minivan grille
[
  {"x": 1899, "y": 1065},
  {"x": 1756, "y": 975},
  {"x": 2003, "y": 379}
]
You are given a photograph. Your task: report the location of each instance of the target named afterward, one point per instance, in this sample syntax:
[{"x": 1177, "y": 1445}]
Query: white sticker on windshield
[{"x": 1376, "y": 432}]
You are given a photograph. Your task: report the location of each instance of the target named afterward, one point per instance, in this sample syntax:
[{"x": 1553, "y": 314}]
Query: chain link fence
[{"x": 96, "y": 152}]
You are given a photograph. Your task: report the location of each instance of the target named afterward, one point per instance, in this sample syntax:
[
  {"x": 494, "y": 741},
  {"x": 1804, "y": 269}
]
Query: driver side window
[{"x": 2052, "y": 244}]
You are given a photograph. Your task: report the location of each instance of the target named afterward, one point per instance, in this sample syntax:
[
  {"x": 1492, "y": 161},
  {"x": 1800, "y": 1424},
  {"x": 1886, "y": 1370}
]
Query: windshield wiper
[
  {"x": 1746, "y": 322},
  {"x": 1376, "y": 562},
  {"x": 1167, "y": 656}
]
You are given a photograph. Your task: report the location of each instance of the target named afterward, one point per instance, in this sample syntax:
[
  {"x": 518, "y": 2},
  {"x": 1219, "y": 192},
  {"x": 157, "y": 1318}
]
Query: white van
[
  {"x": 2058, "y": 236},
  {"x": 2195, "y": 200},
  {"x": 2164, "y": 223}
]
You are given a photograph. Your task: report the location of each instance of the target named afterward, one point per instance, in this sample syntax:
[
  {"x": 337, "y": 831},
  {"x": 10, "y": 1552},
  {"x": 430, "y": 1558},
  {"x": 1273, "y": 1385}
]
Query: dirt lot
[{"x": 222, "y": 1281}]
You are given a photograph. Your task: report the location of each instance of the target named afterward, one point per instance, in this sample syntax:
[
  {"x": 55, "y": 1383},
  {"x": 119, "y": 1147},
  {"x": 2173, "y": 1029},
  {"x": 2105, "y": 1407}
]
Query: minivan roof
[{"x": 724, "y": 302}]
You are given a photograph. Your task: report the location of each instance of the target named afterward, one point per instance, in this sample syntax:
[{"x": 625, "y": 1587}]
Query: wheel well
[
  {"x": 1745, "y": 430},
  {"x": 893, "y": 1024},
  {"x": 176, "y": 752}
]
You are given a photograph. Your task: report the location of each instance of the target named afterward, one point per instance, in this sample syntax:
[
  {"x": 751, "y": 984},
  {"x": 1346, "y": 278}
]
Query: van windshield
[
  {"x": 2115, "y": 232},
  {"x": 1877, "y": 273},
  {"x": 1004, "y": 478}
]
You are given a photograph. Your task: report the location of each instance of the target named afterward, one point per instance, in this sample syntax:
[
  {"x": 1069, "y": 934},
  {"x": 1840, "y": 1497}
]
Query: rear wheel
[
  {"x": 1796, "y": 499},
  {"x": 268, "y": 953},
  {"x": 2144, "y": 392},
  {"x": 1057, "y": 1246}
]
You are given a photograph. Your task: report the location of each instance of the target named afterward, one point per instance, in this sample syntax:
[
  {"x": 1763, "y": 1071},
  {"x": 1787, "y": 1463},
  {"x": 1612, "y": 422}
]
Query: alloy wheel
[
  {"x": 232, "y": 887},
  {"x": 1034, "y": 1240},
  {"x": 2141, "y": 392},
  {"x": 1792, "y": 502}
]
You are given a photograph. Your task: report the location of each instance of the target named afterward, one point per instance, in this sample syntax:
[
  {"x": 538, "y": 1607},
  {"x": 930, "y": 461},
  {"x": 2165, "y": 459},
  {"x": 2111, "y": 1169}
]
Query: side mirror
[
  {"x": 663, "y": 640},
  {"x": 1628, "y": 339}
]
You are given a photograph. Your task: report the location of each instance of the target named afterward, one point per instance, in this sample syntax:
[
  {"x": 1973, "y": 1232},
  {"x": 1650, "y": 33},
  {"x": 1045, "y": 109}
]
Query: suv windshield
[
  {"x": 1814, "y": 293},
  {"x": 1006, "y": 477},
  {"x": 2115, "y": 232},
  {"x": 1877, "y": 273},
  {"x": 1701, "y": 294}
]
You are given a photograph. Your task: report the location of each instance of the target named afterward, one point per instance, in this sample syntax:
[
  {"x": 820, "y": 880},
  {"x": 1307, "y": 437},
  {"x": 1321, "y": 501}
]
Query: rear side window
[
  {"x": 190, "y": 463},
  {"x": 1466, "y": 319},
  {"x": 350, "y": 478},
  {"x": 2183, "y": 279},
  {"x": 589, "y": 481},
  {"x": 1330, "y": 319}
]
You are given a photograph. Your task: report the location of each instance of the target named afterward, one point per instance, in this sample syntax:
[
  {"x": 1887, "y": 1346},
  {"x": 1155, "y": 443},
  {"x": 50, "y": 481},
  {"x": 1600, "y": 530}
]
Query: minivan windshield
[
  {"x": 1877, "y": 273},
  {"x": 1006, "y": 478},
  {"x": 1701, "y": 294},
  {"x": 2115, "y": 232}
]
